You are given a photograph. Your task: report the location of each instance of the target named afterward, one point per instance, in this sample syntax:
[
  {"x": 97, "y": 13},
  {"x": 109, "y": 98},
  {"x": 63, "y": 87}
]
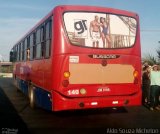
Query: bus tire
[
  {"x": 16, "y": 85},
  {"x": 32, "y": 97}
]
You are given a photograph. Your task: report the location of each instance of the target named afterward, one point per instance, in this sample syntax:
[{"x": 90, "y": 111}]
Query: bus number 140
[{"x": 73, "y": 92}]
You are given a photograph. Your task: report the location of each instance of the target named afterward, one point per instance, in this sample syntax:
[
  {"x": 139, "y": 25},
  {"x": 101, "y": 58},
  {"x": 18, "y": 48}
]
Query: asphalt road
[{"x": 16, "y": 116}]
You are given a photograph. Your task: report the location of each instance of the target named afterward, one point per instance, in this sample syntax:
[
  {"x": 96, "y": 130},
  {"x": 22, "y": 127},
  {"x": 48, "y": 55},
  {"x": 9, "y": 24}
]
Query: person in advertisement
[
  {"x": 95, "y": 31},
  {"x": 105, "y": 32}
]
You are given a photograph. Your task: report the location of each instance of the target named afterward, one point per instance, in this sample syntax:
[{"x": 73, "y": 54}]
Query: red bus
[{"x": 80, "y": 57}]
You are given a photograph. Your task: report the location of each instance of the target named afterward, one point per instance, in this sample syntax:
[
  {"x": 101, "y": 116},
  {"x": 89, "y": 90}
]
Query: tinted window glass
[
  {"x": 47, "y": 47},
  {"x": 101, "y": 30},
  {"x": 38, "y": 36}
]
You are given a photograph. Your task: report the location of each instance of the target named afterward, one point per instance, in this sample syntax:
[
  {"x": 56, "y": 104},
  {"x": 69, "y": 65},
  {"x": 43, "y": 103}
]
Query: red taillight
[
  {"x": 65, "y": 83},
  {"x": 135, "y": 80},
  {"x": 66, "y": 75}
]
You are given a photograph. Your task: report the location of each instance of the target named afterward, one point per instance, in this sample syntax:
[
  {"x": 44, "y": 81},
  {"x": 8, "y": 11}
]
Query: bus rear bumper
[{"x": 62, "y": 103}]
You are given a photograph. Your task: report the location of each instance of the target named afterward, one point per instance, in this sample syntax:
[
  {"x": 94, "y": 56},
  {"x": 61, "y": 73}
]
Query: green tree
[
  {"x": 158, "y": 54},
  {"x": 150, "y": 59}
]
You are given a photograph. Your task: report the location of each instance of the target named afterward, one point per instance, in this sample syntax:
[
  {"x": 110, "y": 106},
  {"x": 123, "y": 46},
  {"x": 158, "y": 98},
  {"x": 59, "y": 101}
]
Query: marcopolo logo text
[{"x": 104, "y": 56}]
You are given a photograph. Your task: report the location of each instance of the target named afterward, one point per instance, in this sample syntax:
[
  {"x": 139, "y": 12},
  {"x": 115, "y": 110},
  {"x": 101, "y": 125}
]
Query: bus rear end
[{"x": 99, "y": 63}]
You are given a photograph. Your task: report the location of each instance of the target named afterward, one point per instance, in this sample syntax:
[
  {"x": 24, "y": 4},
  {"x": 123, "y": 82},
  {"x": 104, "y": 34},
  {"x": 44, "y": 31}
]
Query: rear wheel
[
  {"x": 15, "y": 82},
  {"x": 31, "y": 94}
]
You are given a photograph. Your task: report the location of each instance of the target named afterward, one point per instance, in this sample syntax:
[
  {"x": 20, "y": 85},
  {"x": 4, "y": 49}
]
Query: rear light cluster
[
  {"x": 66, "y": 74},
  {"x": 65, "y": 82},
  {"x": 135, "y": 74}
]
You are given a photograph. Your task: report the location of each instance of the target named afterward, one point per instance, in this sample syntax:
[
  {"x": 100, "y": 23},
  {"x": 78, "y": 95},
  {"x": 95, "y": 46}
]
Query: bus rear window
[{"x": 100, "y": 30}]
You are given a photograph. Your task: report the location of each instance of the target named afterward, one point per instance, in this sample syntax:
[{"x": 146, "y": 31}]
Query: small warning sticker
[{"x": 74, "y": 59}]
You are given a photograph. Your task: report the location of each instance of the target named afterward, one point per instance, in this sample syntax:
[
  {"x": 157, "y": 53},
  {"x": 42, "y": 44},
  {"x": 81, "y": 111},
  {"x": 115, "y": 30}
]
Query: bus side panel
[
  {"x": 22, "y": 85},
  {"x": 42, "y": 98}
]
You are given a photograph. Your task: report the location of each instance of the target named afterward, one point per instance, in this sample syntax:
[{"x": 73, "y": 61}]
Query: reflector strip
[
  {"x": 94, "y": 103},
  {"x": 115, "y": 102}
]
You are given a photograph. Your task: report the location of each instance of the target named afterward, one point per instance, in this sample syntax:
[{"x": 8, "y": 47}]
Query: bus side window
[
  {"x": 38, "y": 43},
  {"x": 48, "y": 35},
  {"x": 28, "y": 48},
  {"x": 17, "y": 52},
  {"x": 25, "y": 48},
  {"x": 22, "y": 51},
  {"x": 28, "y": 53},
  {"x": 42, "y": 41},
  {"x": 32, "y": 46},
  {"x": 19, "y": 58},
  {"x": 11, "y": 56}
]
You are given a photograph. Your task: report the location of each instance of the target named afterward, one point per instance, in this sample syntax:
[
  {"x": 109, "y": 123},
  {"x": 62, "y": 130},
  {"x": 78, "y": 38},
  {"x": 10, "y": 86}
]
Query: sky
[{"x": 18, "y": 16}]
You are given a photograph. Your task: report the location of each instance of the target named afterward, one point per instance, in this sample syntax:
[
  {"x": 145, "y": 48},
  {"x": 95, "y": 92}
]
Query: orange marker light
[
  {"x": 135, "y": 73},
  {"x": 66, "y": 74}
]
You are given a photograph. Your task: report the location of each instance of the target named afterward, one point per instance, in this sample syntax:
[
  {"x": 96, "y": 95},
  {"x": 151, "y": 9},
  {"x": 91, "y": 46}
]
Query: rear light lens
[
  {"x": 65, "y": 83},
  {"x": 66, "y": 74},
  {"x": 135, "y": 73},
  {"x": 135, "y": 80}
]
